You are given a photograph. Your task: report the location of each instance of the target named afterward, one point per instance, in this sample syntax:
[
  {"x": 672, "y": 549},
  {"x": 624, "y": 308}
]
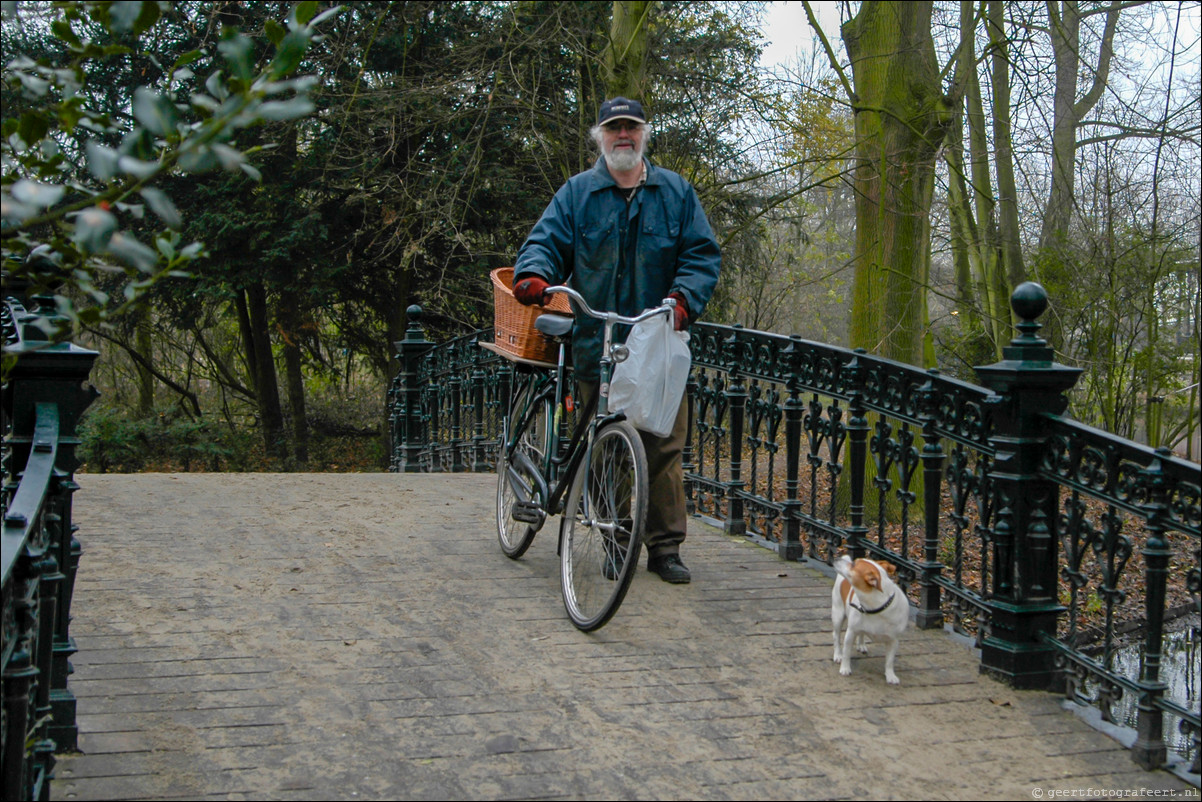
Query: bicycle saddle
[{"x": 554, "y": 325}]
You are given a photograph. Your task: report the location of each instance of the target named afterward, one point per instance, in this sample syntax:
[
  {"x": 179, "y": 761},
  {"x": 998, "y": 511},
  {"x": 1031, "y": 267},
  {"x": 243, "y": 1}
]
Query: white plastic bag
[{"x": 649, "y": 385}]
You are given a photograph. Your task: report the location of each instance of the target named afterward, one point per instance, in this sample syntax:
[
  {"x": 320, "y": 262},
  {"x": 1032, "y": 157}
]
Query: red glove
[
  {"x": 680, "y": 314},
  {"x": 530, "y": 291}
]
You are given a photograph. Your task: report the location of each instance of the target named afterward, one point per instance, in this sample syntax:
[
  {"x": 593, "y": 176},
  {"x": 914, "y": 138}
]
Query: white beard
[{"x": 624, "y": 160}]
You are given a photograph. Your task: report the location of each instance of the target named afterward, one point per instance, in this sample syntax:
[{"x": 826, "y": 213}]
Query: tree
[
  {"x": 902, "y": 116},
  {"x": 78, "y": 174}
]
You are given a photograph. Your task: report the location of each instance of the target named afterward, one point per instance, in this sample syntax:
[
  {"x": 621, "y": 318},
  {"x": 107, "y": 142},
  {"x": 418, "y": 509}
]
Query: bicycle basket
[{"x": 513, "y": 324}]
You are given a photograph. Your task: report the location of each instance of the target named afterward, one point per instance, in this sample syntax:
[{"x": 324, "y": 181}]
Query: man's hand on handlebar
[{"x": 530, "y": 291}]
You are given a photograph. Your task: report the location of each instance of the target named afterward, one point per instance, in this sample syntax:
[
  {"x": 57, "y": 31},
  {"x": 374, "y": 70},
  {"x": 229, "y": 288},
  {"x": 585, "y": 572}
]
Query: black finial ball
[
  {"x": 1029, "y": 300},
  {"x": 414, "y": 313}
]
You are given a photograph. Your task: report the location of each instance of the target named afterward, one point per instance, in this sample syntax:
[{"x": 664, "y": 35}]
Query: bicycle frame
[{"x": 561, "y": 468}]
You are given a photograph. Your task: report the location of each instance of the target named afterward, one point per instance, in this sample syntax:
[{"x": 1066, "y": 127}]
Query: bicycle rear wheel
[
  {"x": 601, "y": 534},
  {"x": 515, "y": 481}
]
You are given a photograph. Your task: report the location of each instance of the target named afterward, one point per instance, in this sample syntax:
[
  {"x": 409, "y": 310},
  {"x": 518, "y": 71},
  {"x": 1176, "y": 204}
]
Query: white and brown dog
[{"x": 870, "y": 603}]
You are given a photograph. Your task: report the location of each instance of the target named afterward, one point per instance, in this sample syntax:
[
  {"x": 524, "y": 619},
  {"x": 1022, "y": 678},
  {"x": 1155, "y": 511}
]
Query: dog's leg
[
  {"x": 862, "y": 643},
  {"x": 845, "y": 663},
  {"x": 891, "y": 677},
  {"x": 837, "y": 619}
]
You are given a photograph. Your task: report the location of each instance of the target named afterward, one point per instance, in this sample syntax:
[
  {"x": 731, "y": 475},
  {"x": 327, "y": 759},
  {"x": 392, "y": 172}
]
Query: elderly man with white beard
[{"x": 625, "y": 235}]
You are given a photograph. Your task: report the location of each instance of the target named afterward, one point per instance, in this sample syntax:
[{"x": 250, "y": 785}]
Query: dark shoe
[{"x": 670, "y": 569}]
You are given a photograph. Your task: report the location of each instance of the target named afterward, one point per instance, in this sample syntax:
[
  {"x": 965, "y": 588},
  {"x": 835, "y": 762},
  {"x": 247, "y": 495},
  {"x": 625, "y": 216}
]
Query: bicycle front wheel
[
  {"x": 515, "y": 484},
  {"x": 601, "y": 533}
]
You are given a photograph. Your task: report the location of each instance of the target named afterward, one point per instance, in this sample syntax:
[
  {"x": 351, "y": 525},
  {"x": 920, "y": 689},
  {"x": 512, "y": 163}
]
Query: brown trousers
[{"x": 666, "y": 516}]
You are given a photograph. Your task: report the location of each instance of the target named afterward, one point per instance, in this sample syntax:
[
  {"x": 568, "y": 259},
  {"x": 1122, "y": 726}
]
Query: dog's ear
[{"x": 892, "y": 569}]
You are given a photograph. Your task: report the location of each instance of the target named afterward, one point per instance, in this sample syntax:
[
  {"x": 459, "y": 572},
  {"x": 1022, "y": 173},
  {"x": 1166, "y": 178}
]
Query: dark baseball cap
[{"x": 620, "y": 108}]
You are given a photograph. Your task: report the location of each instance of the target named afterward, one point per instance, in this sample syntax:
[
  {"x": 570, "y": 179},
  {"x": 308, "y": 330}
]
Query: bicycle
[{"x": 539, "y": 476}]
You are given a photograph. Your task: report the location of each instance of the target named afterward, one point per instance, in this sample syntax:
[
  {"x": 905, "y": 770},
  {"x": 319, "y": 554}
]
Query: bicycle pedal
[{"x": 528, "y": 512}]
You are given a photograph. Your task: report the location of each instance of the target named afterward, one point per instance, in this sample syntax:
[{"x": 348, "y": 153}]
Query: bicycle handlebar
[{"x": 665, "y": 307}]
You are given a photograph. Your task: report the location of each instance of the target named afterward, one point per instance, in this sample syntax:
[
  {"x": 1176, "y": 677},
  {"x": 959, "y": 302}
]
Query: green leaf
[
  {"x": 154, "y": 111},
  {"x": 216, "y": 86},
  {"x": 186, "y": 59},
  {"x": 138, "y": 168},
  {"x": 94, "y": 229},
  {"x": 305, "y": 11},
  {"x": 133, "y": 253},
  {"x": 35, "y": 194},
  {"x": 33, "y": 127},
  {"x": 238, "y": 54},
  {"x": 291, "y": 51},
  {"x": 197, "y": 161},
  {"x": 325, "y": 15},
  {"x": 252, "y": 171},
  {"x": 229, "y": 157},
  {"x": 102, "y": 161},
  {"x": 62, "y": 30},
  {"x": 275, "y": 31},
  {"x": 148, "y": 17},
  {"x": 205, "y": 102},
  {"x": 34, "y": 86},
  {"x": 278, "y": 111},
  {"x": 124, "y": 15}
]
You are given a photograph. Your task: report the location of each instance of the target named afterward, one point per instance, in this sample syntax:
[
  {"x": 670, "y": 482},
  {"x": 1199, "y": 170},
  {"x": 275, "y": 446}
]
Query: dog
[{"x": 866, "y": 598}]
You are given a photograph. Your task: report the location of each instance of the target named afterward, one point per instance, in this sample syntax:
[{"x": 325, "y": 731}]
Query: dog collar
[{"x": 882, "y": 608}]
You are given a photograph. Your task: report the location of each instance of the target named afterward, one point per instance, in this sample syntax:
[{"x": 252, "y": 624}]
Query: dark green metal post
[
  {"x": 857, "y": 437},
  {"x": 1149, "y": 749},
  {"x": 688, "y": 457},
  {"x": 410, "y": 424},
  {"x": 736, "y": 399},
  {"x": 930, "y": 611},
  {"x": 1023, "y": 603},
  {"x": 791, "y": 547}
]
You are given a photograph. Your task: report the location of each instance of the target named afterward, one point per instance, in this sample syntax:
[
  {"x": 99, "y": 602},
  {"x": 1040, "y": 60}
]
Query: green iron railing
[
  {"x": 1008, "y": 522},
  {"x": 43, "y": 397}
]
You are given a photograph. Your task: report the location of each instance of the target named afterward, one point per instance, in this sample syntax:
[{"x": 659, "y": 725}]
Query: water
[{"x": 1179, "y": 669}]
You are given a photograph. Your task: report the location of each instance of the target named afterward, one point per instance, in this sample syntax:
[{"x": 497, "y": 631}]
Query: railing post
[
  {"x": 791, "y": 547},
  {"x": 411, "y": 430},
  {"x": 857, "y": 439},
  {"x": 456, "y": 443},
  {"x": 688, "y": 456},
  {"x": 736, "y": 397},
  {"x": 479, "y": 457},
  {"x": 1023, "y": 602},
  {"x": 63, "y": 729},
  {"x": 930, "y": 611},
  {"x": 1149, "y": 749}
]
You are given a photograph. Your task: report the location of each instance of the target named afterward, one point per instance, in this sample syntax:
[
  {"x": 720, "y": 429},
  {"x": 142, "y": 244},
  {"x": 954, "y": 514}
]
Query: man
[{"x": 626, "y": 235}]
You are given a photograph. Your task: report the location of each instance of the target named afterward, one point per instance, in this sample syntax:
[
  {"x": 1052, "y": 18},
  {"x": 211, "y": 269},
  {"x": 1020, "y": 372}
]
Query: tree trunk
[
  {"x": 291, "y": 321},
  {"x": 901, "y": 119},
  {"x": 145, "y": 343},
  {"x": 992, "y": 286},
  {"x": 1008, "y": 231},
  {"x": 625, "y": 59},
  {"x": 267, "y": 390},
  {"x": 1064, "y": 29}
]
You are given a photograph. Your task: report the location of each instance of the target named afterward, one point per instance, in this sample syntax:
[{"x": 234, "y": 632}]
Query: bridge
[{"x": 361, "y": 636}]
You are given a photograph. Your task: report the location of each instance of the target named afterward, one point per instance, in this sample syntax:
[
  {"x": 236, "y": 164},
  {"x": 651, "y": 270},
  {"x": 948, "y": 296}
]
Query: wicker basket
[{"x": 513, "y": 328}]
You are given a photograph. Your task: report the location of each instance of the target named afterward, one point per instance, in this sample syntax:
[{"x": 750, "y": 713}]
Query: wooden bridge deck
[{"x": 360, "y": 636}]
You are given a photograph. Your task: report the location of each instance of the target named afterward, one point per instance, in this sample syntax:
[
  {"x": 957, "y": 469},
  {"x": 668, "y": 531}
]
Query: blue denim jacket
[{"x": 622, "y": 258}]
